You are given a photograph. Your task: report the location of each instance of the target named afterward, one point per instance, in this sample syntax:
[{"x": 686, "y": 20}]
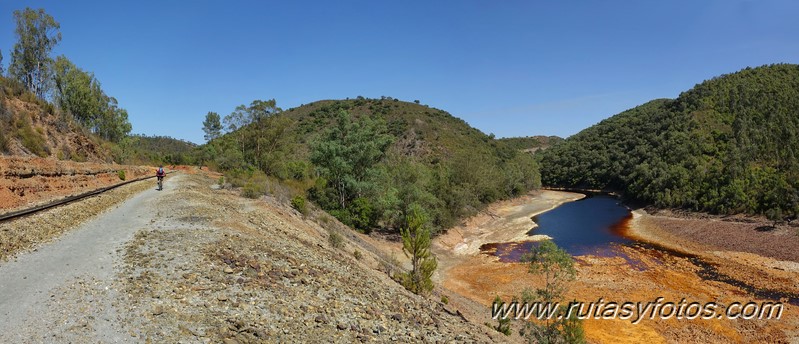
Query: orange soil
[
  {"x": 28, "y": 181},
  {"x": 480, "y": 278}
]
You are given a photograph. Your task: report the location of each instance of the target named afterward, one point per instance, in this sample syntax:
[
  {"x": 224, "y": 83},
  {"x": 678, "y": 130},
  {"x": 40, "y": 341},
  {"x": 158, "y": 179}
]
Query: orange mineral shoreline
[{"x": 464, "y": 272}]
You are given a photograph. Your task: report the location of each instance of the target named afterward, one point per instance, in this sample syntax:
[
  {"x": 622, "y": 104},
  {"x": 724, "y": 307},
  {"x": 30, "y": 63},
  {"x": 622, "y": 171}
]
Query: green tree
[
  {"x": 402, "y": 184},
  {"x": 416, "y": 246},
  {"x": 37, "y": 34},
  {"x": 212, "y": 126},
  {"x": 257, "y": 114},
  {"x": 234, "y": 121},
  {"x": 775, "y": 216},
  {"x": 346, "y": 155},
  {"x": 113, "y": 124},
  {"x": 503, "y": 323},
  {"x": 557, "y": 268},
  {"x": 1, "y": 62},
  {"x": 79, "y": 94}
]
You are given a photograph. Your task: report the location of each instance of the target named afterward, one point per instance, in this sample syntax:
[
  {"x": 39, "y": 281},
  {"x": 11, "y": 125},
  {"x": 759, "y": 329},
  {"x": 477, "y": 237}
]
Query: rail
[{"x": 24, "y": 212}]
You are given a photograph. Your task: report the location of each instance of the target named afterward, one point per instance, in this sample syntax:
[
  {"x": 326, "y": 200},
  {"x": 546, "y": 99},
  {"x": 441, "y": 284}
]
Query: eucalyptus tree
[{"x": 37, "y": 34}]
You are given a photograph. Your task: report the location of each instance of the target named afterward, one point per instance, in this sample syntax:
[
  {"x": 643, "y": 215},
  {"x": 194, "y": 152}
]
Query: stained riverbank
[{"x": 633, "y": 273}]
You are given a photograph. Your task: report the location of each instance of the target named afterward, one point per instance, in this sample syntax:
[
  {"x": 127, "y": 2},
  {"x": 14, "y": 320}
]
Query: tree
[
  {"x": 416, "y": 246},
  {"x": 557, "y": 267},
  {"x": 257, "y": 113},
  {"x": 212, "y": 126},
  {"x": 775, "y": 216},
  {"x": 235, "y": 121},
  {"x": 79, "y": 94},
  {"x": 261, "y": 109},
  {"x": 346, "y": 155},
  {"x": 113, "y": 123},
  {"x": 37, "y": 34},
  {"x": 503, "y": 323},
  {"x": 1, "y": 62}
]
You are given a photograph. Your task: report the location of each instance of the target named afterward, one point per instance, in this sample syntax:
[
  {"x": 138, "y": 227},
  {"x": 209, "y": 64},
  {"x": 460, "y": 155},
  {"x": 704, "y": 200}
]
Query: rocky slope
[
  {"x": 252, "y": 271},
  {"x": 211, "y": 266}
]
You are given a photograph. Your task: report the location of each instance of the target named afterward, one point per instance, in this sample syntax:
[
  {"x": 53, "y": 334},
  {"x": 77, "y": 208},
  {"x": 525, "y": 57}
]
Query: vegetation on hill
[
  {"x": 142, "y": 149},
  {"x": 729, "y": 145},
  {"x": 369, "y": 162},
  {"x": 32, "y": 126}
]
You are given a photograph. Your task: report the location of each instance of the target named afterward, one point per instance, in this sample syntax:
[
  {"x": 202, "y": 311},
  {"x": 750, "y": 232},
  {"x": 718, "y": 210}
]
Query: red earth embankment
[{"x": 30, "y": 181}]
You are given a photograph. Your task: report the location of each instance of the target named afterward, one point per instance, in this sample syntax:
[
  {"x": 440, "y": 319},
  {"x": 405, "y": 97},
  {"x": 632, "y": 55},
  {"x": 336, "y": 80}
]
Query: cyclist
[{"x": 160, "y": 175}]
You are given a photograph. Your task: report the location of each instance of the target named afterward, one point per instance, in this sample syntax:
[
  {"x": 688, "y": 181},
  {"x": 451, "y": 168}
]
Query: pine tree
[{"x": 416, "y": 245}]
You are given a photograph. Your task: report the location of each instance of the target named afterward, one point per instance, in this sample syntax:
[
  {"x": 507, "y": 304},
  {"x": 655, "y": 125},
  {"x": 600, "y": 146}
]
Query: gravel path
[{"x": 38, "y": 289}]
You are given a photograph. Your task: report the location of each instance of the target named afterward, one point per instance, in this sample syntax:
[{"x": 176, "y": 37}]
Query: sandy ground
[{"x": 627, "y": 274}]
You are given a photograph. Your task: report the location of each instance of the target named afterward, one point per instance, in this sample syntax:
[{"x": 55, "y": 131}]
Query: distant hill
[
  {"x": 729, "y": 145},
  {"x": 531, "y": 143},
  {"x": 30, "y": 126},
  {"x": 419, "y": 131},
  {"x": 144, "y": 149},
  {"x": 434, "y": 160}
]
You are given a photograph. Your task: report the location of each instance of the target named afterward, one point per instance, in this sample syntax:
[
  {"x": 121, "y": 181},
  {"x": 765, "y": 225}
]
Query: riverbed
[{"x": 614, "y": 265}]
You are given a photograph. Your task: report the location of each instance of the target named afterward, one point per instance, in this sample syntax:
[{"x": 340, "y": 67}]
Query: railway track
[{"x": 25, "y": 212}]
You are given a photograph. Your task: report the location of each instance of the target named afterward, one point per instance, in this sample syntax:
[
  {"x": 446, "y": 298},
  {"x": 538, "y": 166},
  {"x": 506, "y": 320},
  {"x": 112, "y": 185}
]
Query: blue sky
[{"x": 512, "y": 68}]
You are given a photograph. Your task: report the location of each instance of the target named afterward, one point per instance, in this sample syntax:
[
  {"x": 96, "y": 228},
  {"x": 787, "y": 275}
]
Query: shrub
[
  {"x": 252, "y": 190},
  {"x": 335, "y": 239},
  {"x": 221, "y": 181},
  {"x": 3, "y": 143},
  {"x": 503, "y": 324},
  {"x": 32, "y": 140},
  {"x": 121, "y": 174},
  {"x": 444, "y": 299},
  {"x": 357, "y": 254},
  {"x": 298, "y": 203}
]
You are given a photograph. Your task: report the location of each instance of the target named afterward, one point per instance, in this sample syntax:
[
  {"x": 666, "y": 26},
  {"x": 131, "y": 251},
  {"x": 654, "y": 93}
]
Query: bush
[
  {"x": 298, "y": 203},
  {"x": 121, "y": 174},
  {"x": 32, "y": 140},
  {"x": 361, "y": 215},
  {"x": 335, "y": 239},
  {"x": 221, "y": 181},
  {"x": 252, "y": 190},
  {"x": 357, "y": 254}
]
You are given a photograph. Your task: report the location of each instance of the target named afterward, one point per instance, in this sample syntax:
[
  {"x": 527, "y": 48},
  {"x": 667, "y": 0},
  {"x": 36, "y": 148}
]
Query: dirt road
[{"x": 32, "y": 283}]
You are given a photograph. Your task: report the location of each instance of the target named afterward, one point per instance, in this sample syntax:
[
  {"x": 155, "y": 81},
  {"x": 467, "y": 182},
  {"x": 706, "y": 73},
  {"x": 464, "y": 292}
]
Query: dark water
[
  {"x": 584, "y": 226},
  {"x": 597, "y": 225},
  {"x": 591, "y": 225}
]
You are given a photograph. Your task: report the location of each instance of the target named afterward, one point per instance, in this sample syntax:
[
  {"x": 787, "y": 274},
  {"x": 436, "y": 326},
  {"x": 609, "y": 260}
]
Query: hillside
[
  {"x": 30, "y": 126},
  {"x": 728, "y": 145},
  {"x": 388, "y": 155},
  {"x": 143, "y": 149}
]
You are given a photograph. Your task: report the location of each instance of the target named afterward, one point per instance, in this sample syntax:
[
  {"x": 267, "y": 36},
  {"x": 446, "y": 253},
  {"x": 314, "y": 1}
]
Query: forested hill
[
  {"x": 369, "y": 162},
  {"x": 729, "y": 145}
]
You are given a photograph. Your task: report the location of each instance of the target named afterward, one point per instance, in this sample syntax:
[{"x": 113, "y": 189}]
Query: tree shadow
[{"x": 765, "y": 228}]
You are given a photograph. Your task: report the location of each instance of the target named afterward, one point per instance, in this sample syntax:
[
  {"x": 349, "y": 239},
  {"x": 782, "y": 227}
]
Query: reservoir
[
  {"x": 591, "y": 225},
  {"x": 596, "y": 225}
]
